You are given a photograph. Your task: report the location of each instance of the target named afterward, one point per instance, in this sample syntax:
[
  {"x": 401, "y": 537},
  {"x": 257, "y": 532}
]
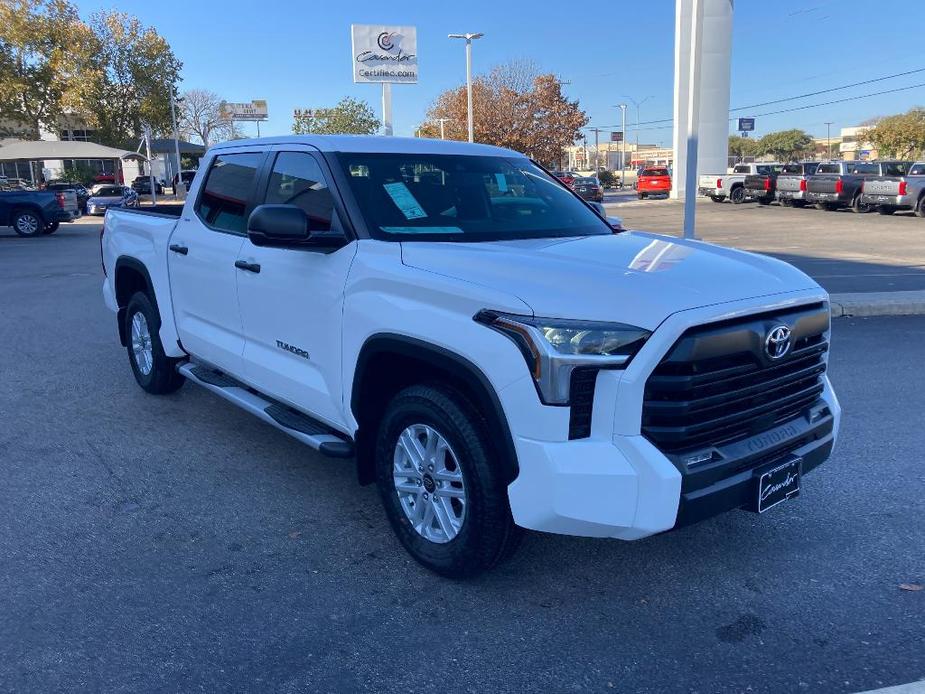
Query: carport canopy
[{"x": 37, "y": 150}]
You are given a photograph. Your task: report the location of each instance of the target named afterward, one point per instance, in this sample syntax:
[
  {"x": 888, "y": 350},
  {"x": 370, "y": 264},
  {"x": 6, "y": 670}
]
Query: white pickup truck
[
  {"x": 476, "y": 339},
  {"x": 718, "y": 187}
]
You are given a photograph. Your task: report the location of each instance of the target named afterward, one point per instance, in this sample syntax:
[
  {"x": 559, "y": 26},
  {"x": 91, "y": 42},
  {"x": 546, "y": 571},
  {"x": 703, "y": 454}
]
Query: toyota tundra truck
[
  {"x": 792, "y": 181},
  {"x": 473, "y": 337},
  {"x": 891, "y": 193},
  {"x": 718, "y": 187},
  {"x": 837, "y": 184}
]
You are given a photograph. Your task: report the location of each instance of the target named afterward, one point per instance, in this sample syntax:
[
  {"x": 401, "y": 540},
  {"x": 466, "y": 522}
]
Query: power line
[
  {"x": 826, "y": 91},
  {"x": 808, "y": 94}
]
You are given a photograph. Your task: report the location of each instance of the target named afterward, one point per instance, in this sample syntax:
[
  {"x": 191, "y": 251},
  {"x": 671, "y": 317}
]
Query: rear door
[
  {"x": 201, "y": 261},
  {"x": 292, "y": 306}
]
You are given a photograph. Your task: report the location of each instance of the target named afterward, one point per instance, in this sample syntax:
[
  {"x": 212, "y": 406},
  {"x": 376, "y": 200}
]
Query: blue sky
[{"x": 297, "y": 54}]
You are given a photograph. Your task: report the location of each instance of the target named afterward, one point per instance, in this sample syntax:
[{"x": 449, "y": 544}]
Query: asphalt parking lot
[
  {"x": 843, "y": 251},
  {"x": 178, "y": 544}
]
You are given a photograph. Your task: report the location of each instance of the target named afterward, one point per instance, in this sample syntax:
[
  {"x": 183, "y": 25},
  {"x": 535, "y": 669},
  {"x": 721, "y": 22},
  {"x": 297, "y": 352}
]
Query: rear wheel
[
  {"x": 27, "y": 223},
  {"x": 154, "y": 371},
  {"x": 51, "y": 228},
  {"x": 737, "y": 196},
  {"x": 859, "y": 207},
  {"x": 920, "y": 208},
  {"x": 440, "y": 482}
]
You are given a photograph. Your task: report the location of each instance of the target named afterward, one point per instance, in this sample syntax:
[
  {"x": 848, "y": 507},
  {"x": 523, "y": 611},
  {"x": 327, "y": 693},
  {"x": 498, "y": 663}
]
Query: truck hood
[{"x": 637, "y": 278}]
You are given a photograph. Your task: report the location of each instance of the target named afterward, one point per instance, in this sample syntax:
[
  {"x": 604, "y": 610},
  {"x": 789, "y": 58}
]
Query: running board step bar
[{"x": 300, "y": 426}]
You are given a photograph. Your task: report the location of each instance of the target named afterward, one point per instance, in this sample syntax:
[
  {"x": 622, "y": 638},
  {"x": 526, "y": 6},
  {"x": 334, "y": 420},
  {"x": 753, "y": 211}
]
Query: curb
[{"x": 864, "y": 304}]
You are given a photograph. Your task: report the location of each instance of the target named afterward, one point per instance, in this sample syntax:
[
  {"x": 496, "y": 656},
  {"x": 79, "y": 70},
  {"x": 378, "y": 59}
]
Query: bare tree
[{"x": 200, "y": 117}]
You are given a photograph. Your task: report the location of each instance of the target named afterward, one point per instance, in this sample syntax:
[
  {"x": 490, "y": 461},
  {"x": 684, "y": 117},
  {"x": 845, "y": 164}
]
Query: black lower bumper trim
[{"x": 737, "y": 490}]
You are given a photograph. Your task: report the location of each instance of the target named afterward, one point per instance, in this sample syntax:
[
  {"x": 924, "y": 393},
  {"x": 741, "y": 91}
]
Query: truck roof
[{"x": 375, "y": 143}]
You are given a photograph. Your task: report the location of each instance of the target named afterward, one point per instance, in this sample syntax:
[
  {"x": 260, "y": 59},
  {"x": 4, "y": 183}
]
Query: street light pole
[
  {"x": 828, "y": 136},
  {"x": 442, "y": 121},
  {"x": 469, "y": 39},
  {"x": 622, "y": 108},
  {"x": 637, "y": 104}
]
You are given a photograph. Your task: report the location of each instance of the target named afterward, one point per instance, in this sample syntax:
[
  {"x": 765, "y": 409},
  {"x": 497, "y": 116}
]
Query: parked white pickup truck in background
[
  {"x": 474, "y": 335},
  {"x": 718, "y": 187}
]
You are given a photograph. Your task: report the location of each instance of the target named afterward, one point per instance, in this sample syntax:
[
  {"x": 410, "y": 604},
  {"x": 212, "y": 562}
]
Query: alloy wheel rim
[
  {"x": 27, "y": 224},
  {"x": 141, "y": 344},
  {"x": 429, "y": 483}
]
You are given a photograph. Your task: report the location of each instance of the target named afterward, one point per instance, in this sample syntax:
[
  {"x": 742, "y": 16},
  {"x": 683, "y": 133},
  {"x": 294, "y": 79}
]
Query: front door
[
  {"x": 292, "y": 309},
  {"x": 201, "y": 261}
]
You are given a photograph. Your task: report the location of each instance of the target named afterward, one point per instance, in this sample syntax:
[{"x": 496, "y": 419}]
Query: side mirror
[{"x": 278, "y": 225}]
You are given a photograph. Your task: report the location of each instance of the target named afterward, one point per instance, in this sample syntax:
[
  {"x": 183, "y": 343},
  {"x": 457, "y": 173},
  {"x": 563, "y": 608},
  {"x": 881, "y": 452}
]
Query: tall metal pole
[
  {"x": 828, "y": 136},
  {"x": 469, "y": 86},
  {"x": 442, "y": 121},
  {"x": 596, "y": 150},
  {"x": 693, "y": 121},
  {"x": 622, "y": 108},
  {"x": 469, "y": 38},
  {"x": 387, "y": 108},
  {"x": 176, "y": 136}
]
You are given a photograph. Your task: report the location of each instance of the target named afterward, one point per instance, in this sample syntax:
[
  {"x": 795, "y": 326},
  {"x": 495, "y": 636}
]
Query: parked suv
[{"x": 476, "y": 339}]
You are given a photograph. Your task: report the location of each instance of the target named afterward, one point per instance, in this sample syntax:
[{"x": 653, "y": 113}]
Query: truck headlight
[{"x": 555, "y": 347}]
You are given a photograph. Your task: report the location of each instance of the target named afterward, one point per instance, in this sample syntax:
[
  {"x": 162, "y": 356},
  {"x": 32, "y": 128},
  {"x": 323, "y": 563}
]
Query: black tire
[
  {"x": 642, "y": 196},
  {"x": 798, "y": 203},
  {"x": 163, "y": 377},
  {"x": 885, "y": 209},
  {"x": 920, "y": 207},
  {"x": 859, "y": 207},
  {"x": 487, "y": 535},
  {"x": 717, "y": 198},
  {"x": 27, "y": 223},
  {"x": 737, "y": 195},
  {"x": 51, "y": 228}
]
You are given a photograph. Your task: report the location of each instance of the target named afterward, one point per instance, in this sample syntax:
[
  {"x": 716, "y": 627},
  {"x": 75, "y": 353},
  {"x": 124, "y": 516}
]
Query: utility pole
[
  {"x": 442, "y": 121},
  {"x": 622, "y": 108},
  {"x": 597, "y": 163},
  {"x": 637, "y": 104},
  {"x": 828, "y": 136},
  {"x": 176, "y": 139},
  {"x": 469, "y": 39}
]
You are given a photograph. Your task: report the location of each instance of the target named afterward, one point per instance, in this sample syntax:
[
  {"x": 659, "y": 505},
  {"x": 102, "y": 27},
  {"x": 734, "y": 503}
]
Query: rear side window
[
  {"x": 297, "y": 180},
  {"x": 895, "y": 168},
  {"x": 864, "y": 168},
  {"x": 828, "y": 168},
  {"x": 742, "y": 169},
  {"x": 763, "y": 170},
  {"x": 917, "y": 170},
  {"x": 223, "y": 202}
]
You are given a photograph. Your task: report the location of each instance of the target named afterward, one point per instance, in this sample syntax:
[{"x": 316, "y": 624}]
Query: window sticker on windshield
[
  {"x": 422, "y": 230},
  {"x": 404, "y": 200},
  {"x": 501, "y": 180}
]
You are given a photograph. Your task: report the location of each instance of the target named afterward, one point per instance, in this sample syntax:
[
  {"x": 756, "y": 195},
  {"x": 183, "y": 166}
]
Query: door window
[
  {"x": 297, "y": 180},
  {"x": 223, "y": 202}
]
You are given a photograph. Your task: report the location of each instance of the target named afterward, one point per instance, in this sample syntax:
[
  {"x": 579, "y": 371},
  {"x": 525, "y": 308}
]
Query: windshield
[
  {"x": 109, "y": 192},
  {"x": 443, "y": 197}
]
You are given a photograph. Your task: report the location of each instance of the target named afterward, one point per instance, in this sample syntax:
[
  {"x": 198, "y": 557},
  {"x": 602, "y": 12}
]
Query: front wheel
[
  {"x": 642, "y": 196},
  {"x": 154, "y": 371},
  {"x": 441, "y": 484},
  {"x": 717, "y": 198},
  {"x": 27, "y": 224}
]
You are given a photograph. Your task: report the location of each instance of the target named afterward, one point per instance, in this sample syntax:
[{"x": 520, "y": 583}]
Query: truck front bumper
[{"x": 623, "y": 486}]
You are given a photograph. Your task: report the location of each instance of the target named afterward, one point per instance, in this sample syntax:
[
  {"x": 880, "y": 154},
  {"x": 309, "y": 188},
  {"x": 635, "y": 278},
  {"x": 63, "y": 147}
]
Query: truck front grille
[{"x": 718, "y": 384}]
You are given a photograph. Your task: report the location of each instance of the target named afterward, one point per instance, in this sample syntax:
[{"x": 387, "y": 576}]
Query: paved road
[
  {"x": 843, "y": 251},
  {"x": 176, "y": 543}
]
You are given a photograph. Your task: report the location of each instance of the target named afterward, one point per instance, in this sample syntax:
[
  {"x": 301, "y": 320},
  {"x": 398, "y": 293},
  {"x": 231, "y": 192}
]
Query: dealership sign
[
  {"x": 746, "y": 125},
  {"x": 252, "y": 111},
  {"x": 384, "y": 53}
]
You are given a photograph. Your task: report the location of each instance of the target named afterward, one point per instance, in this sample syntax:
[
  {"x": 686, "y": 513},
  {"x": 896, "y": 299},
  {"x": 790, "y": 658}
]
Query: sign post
[{"x": 387, "y": 55}]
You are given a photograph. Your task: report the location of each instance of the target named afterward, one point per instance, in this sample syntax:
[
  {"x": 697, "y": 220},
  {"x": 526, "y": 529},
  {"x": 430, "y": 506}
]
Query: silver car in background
[{"x": 107, "y": 196}]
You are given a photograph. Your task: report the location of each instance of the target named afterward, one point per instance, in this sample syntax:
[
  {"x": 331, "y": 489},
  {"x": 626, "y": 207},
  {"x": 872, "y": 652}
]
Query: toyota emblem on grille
[{"x": 777, "y": 343}]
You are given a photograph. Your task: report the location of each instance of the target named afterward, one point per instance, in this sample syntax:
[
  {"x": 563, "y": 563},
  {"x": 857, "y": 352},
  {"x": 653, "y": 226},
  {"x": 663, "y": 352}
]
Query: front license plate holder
[{"x": 776, "y": 484}]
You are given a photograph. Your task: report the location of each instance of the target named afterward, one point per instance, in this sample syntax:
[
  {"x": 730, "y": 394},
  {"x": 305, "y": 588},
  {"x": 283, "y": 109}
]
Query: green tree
[
  {"x": 900, "y": 136},
  {"x": 43, "y": 45},
  {"x": 128, "y": 82},
  {"x": 786, "y": 145},
  {"x": 350, "y": 116},
  {"x": 741, "y": 147}
]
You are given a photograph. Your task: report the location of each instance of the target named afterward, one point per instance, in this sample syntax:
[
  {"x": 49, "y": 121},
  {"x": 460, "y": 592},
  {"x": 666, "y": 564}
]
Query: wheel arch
[
  {"x": 409, "y": 361},
  {"x": 131, "y": 276}
]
